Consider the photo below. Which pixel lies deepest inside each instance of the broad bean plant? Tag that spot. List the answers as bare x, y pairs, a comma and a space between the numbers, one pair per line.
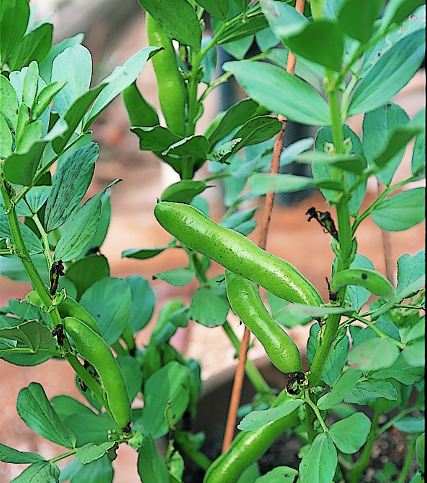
366, 344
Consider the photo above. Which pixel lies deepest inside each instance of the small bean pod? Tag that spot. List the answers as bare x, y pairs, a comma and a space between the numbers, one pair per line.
93, 348
170, 85
246, 303
363, 277
235, 252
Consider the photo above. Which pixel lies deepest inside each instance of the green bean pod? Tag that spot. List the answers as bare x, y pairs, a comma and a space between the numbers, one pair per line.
246, 303
170, 85
363, 277
93, 348
71, 308
246, 449
235, 252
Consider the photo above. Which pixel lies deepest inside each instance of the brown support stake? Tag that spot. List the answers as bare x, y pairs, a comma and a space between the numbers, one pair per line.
268, 208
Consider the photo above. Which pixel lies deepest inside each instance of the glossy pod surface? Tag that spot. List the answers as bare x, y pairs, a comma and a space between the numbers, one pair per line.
170, 85
235, 252
93, 348
246, 303
247, 447
372, 280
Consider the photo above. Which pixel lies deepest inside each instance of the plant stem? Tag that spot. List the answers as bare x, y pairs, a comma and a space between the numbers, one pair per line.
23, 254
408, 460
315, 410
361, 465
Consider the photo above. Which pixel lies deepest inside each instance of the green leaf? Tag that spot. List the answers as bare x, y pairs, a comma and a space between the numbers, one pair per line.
121, 77
228, 121
45, 96
358, 296
99, 471
397, 11
133, 375
143, 253
34, 245
40, 472
143, 300
357, 18
177, 19
342, 387
409, 269
90, 428
69, 185
324, 138
28, 137
261, 184
254, 21
109, 301
401, 211
280, 474
415, 353
74, 115
381, 145
86, 271
350, 434
218, 8
20, 168
401, 371
183, 191
46, 65
319, 464
5, 138
35, 410
31, 334
347, 162
91, 452
194, 146
389, 75
79, 228
411, 425
11, 455
156, 139
33, 46
14, 16
73, 65
167, 388
320, 41
9, 103
257, 419
283, 19
281, 92
208, 308
65, 406
373, 354
177, 277
366, 392
151, 466
29, 89
257, 130
419, 152
420, 451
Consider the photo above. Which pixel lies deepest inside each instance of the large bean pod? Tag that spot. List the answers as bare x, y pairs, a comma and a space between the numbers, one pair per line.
93, 348
235, 252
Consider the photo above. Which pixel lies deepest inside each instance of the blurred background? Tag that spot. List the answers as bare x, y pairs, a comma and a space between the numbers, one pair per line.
114, 31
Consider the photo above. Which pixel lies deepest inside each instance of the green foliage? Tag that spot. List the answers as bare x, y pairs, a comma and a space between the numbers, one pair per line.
352, 57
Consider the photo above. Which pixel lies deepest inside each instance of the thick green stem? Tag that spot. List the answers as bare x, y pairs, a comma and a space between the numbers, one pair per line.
361, 465
23, 254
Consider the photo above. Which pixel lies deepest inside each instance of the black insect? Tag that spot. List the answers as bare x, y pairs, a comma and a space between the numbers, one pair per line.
56, 270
